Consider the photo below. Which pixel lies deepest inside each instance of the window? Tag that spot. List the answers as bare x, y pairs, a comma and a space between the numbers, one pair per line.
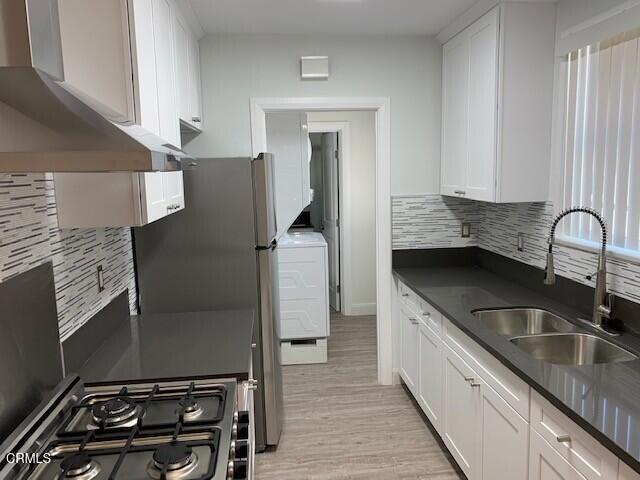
601, 153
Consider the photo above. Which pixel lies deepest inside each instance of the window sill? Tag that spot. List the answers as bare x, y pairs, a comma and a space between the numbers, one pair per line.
591, 247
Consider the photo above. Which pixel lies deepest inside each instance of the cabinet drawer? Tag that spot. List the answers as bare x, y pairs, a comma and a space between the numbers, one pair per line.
546, 464
423, 310
406, 296
582, 451
429, 316
506, 383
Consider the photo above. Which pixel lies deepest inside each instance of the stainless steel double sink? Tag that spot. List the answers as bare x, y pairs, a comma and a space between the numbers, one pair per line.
550, 338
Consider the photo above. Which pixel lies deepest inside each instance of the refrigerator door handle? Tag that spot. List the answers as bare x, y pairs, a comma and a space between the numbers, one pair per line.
264, 199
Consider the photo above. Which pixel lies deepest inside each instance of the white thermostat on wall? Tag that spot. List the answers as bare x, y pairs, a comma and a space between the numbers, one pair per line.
314, 68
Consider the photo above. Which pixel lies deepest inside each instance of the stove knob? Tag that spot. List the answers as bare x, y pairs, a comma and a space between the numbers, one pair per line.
243, 431
243, 416
241, 449
240, 470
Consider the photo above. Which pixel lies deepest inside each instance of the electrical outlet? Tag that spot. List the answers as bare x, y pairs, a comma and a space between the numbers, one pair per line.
520, 243
100, 275
466, 230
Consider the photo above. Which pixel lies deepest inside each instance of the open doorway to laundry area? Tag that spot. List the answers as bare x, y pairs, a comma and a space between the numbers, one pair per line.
324, 212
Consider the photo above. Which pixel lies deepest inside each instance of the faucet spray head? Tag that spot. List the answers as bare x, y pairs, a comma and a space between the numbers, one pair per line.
550, 271
550, 274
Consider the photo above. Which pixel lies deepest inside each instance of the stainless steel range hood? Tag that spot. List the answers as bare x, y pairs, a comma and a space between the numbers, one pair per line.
44, 127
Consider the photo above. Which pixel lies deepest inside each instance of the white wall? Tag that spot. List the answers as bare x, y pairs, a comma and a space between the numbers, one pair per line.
405, 68
574, 12
363, 206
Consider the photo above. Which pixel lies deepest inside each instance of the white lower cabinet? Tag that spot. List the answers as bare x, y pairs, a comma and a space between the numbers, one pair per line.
461, 426
626, 473
430, 382
492, 423
409, 349
505, 439
547, 464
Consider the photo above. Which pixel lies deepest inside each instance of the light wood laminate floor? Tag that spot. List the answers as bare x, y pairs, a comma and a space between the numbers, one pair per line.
339, 424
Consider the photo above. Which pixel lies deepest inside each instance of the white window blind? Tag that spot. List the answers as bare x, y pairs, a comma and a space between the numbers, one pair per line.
602, 141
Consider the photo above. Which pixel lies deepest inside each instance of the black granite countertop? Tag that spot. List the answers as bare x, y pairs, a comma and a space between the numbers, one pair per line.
213, 344
603, 399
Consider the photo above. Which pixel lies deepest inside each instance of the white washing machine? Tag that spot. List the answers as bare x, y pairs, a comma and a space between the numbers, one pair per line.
304, 297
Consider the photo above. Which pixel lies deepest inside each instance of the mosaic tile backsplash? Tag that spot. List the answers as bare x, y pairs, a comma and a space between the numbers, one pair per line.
418, 223
29, 236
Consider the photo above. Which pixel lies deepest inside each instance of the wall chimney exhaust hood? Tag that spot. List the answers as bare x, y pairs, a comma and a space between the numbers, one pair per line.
44, 127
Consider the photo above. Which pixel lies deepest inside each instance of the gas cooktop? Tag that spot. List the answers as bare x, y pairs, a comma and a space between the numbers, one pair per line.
161, 431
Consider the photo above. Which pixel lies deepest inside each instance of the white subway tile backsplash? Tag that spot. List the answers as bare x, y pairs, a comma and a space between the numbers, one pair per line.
29, 236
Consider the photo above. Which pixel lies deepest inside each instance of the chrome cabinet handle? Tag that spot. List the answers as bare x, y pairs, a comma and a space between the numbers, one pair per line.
563, 439
460, 192
472, 381
173, 207
196, 119
405, 294
413, 321
426, 314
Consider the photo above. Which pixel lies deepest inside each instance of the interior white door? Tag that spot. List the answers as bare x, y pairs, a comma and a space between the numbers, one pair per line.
331, 214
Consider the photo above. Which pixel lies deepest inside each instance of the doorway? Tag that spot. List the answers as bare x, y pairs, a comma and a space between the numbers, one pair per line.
382, 204
327, 163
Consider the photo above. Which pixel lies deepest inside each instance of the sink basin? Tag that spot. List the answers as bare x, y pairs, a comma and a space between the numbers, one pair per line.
572, 349
513, 322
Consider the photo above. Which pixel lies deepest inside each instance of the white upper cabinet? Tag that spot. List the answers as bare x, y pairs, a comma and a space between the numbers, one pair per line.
288, 141
187, 72
119, 58
122, 199
497, 91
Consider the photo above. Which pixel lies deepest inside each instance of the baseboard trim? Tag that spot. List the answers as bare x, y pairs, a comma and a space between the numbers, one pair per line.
362, 309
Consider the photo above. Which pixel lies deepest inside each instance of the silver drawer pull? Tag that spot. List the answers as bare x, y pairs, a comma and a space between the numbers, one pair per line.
563, 438
475, 384
460, 192
469, 379
413, 321
426, 314
405, 294
195, 119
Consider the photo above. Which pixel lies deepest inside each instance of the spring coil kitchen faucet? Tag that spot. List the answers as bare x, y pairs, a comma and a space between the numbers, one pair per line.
602, 302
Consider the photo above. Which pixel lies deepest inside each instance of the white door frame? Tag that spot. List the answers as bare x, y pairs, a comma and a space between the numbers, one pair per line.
381, 106
344, 206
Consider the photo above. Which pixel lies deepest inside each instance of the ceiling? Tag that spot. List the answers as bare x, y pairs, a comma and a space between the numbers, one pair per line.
327, 17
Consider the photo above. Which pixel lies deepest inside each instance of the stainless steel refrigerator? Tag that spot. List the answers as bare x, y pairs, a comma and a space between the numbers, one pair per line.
221, 252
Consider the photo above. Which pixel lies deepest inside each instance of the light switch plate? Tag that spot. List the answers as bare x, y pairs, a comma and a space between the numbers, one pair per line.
466, 230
